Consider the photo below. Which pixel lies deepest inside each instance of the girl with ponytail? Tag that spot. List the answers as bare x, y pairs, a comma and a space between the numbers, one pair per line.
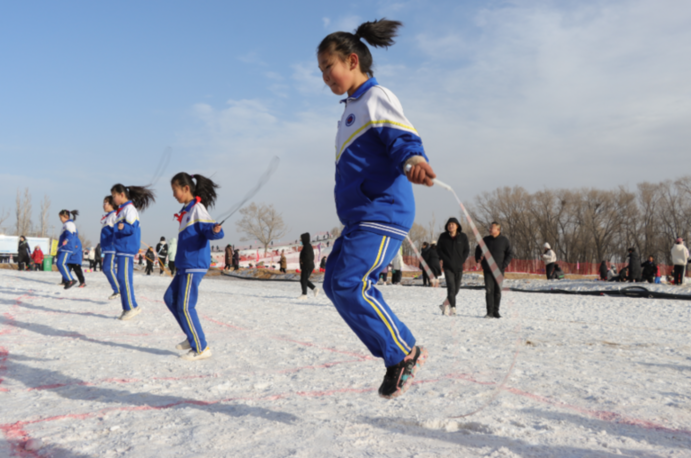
378, 155
70, 253
108, 244
192, 259
127, 239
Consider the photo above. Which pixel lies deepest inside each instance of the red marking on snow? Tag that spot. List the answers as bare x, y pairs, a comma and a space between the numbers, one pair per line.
3, 367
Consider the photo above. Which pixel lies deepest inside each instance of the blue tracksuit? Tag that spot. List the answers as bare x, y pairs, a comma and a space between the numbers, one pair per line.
192, 261
108, 249
375, 203
126, 244
69, 249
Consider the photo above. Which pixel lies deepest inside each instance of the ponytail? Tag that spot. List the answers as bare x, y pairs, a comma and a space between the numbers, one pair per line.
70, 214
378, 33
200, 186
141, 196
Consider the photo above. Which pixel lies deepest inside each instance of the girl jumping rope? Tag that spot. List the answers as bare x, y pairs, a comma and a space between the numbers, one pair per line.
127, 239
70, 250
192, 259
107, 244
378, 155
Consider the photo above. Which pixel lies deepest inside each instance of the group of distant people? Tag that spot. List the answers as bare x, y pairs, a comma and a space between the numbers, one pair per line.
648, 271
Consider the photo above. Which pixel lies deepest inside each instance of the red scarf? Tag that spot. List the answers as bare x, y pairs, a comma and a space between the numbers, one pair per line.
182, 213
123, 207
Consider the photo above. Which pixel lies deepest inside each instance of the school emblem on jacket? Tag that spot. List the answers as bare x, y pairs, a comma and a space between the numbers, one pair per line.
350, 120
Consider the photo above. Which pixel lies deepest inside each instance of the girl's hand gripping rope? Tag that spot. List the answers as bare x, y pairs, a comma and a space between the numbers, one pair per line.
419, 171
217, 228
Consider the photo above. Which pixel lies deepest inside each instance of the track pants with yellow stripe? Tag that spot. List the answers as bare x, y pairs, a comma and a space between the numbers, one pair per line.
125, 264
352, 270
109, 270
181, 299
63, 267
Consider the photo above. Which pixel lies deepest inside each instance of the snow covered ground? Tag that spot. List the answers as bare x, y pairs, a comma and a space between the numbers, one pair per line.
593, 376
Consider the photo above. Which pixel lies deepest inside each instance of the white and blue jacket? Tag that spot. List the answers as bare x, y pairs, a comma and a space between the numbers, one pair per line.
373, 142
196, 229
127, 240
107, 233
69, 243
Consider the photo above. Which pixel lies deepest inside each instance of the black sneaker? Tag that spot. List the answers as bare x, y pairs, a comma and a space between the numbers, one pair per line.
496, 315
398, 378
70, 284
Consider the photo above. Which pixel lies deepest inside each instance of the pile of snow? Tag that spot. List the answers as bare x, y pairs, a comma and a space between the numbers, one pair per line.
593, 376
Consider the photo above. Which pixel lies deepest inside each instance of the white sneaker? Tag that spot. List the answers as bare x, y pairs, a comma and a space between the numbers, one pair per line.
113, 296
444, 309
303, 297
194, 356
453, 311
184, 345
316, 291
488, 316
129, 314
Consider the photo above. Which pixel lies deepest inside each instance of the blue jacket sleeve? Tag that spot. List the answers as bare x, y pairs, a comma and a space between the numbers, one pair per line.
208, 230
127, 229
401, 145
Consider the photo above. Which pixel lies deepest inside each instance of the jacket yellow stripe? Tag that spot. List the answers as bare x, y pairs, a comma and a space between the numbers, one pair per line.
376, 309
371, 123
187, 316
128, 290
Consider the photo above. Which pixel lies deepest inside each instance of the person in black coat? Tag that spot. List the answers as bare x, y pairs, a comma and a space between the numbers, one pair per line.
500, 249
149, 255
453, 249
634, 266
98, 258
433, 262
162, 253
603, 271
23, 254
306, 265
424, 254
649, 270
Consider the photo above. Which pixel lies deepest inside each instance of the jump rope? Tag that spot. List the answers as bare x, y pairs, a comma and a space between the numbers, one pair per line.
498, 277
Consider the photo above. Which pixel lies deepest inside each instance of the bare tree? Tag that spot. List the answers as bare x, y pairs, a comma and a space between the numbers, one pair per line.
86, 243
45, 223
335, 232
417, 234
3, 217
23, 213
261, 222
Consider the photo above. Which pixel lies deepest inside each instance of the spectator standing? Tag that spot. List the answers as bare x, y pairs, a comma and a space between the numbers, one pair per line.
283, 261
397, 263
228, 257
634, 266
680, 257
433, 262
23, 254
149, 255
500, 249
236, 259
453, 249
549, 257
322, 265
172, 252
424, 254
162, 253
604, 271
92, 258
306, 266
649, 270
98, 258
37, 258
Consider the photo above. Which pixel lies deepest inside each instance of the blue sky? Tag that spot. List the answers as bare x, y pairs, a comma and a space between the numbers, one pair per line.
536, 94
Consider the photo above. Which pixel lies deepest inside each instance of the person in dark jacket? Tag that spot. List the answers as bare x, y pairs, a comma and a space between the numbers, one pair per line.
649, 270
229, 257
424, 254
634, 266
433, 262
162, 253
306, 266
500, 249
149, 255
23, 254
453, 249
236, 259
98, 258
603, 271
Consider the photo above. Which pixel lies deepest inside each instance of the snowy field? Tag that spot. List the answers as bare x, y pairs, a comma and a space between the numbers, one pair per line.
593, 376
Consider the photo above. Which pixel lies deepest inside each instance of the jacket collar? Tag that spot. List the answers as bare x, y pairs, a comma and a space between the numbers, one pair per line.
362, 89
121, 207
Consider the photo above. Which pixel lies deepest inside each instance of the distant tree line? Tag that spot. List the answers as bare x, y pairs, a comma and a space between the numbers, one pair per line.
590, 225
